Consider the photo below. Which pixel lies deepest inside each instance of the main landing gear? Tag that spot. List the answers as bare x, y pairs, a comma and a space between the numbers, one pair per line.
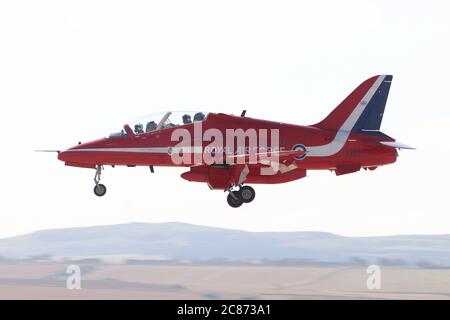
99, 189
245, 194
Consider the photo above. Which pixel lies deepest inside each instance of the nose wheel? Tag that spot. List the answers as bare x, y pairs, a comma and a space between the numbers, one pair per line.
245, 194
99, 189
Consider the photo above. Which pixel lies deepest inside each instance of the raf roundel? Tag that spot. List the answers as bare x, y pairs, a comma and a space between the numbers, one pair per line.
300, 147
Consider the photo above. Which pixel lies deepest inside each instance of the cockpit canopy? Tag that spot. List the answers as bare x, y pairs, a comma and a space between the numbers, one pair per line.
162, 120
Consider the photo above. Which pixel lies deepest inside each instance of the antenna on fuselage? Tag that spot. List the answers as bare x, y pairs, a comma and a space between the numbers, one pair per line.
243, 113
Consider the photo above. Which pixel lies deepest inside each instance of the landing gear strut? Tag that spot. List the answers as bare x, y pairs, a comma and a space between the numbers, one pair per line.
245, 194
99, 189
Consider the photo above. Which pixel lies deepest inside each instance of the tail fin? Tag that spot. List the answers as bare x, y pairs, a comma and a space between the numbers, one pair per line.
363, 109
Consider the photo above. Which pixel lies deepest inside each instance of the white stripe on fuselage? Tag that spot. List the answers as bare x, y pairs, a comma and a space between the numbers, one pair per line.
343, 133
164, 150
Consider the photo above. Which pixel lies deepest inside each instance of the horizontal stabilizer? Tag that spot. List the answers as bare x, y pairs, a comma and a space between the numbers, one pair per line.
395, 144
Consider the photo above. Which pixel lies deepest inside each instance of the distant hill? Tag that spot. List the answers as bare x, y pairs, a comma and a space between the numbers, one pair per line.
178, 241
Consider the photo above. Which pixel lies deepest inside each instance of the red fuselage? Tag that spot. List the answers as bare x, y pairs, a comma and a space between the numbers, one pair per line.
358, 151
228, 151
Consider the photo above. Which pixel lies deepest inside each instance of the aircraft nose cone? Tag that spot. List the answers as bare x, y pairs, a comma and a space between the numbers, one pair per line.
76, 159
69, 155
64, 156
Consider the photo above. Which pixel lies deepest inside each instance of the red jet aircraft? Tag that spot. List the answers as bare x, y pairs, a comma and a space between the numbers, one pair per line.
227, 151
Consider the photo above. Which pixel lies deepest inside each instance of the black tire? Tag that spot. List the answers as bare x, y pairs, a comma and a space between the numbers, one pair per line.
236, 201
247, 194
100, 190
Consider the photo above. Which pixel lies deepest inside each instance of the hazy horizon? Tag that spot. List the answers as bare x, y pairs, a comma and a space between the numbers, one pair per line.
225, 228
147, 243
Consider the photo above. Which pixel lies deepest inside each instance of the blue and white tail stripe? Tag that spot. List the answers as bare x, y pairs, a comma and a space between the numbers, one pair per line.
364, 113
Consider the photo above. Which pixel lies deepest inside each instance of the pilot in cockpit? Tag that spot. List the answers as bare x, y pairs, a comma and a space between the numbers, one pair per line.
187, 119
139, 128
199, 116
150, 126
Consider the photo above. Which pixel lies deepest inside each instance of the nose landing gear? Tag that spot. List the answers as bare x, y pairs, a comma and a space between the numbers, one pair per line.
99, 189
244, 194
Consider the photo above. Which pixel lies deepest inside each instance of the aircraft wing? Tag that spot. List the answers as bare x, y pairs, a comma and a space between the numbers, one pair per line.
282, 161
282, 155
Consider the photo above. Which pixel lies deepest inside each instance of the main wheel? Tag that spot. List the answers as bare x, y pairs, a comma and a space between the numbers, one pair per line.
247, 194
235, 200
99, 190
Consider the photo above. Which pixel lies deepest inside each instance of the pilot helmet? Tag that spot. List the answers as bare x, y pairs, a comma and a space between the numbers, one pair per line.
199, 116
139, 128
187, 119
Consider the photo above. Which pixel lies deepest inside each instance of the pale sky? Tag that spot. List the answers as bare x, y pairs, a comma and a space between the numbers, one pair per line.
78, 70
